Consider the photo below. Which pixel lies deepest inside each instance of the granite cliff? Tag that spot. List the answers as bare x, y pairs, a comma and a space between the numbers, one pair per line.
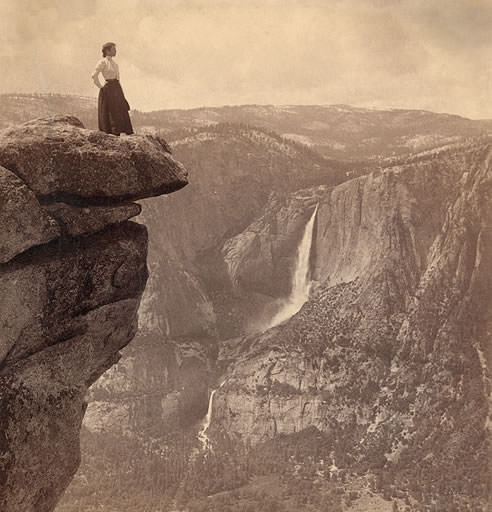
72, 272
378, 386
390, 357
190, 293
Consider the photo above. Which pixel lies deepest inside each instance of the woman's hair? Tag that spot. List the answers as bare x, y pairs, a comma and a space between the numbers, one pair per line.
107, 46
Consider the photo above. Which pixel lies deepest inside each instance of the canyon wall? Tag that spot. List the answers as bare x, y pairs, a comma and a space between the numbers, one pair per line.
390, 357
191, 300
388, 361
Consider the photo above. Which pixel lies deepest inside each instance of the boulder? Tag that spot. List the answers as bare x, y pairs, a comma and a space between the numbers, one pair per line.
23, 223
60, 160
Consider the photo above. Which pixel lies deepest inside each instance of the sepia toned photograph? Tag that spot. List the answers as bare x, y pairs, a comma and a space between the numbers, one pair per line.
245, 255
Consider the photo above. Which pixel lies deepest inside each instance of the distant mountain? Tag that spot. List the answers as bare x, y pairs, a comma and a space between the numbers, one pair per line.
18, 108
336, 131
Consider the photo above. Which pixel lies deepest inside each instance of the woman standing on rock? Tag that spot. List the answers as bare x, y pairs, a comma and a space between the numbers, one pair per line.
112, 107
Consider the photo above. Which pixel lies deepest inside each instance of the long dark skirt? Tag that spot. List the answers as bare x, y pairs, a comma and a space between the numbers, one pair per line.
112, 111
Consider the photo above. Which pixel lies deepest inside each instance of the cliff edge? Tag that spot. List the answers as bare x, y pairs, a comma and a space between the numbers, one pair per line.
72, 272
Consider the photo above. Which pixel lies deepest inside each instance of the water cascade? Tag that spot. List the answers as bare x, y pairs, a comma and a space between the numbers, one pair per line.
202, 435
301, 280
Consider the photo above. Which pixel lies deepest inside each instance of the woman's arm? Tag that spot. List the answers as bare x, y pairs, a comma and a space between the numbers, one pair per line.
95, 75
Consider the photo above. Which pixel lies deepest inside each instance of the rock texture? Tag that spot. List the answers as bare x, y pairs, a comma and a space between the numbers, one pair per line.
391, 355
84, 220
24, 224
262, 257
103, 168
71, 279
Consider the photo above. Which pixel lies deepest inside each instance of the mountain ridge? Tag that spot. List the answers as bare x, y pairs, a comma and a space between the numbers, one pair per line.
339, 132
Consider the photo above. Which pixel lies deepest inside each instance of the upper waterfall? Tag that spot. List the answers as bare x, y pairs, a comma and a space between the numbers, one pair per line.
301, 279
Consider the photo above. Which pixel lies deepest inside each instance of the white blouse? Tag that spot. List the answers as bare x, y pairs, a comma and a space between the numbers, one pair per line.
109, 69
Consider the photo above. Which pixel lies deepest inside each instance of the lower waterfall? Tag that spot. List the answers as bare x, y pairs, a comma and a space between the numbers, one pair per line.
202, 435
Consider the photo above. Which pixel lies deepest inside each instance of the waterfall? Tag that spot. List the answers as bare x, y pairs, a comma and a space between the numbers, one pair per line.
301, 280
202, 435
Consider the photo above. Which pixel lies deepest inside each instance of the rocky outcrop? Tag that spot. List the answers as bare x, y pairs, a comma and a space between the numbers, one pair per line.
261, 258
72, 274
391, 355
103, 168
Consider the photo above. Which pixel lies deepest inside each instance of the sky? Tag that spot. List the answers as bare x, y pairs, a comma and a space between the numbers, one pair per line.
424, 54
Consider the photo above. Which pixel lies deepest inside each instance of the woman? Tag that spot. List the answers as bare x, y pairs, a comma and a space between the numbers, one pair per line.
112, 106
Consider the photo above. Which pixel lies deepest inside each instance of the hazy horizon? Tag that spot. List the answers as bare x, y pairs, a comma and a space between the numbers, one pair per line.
175, 54
382, 108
